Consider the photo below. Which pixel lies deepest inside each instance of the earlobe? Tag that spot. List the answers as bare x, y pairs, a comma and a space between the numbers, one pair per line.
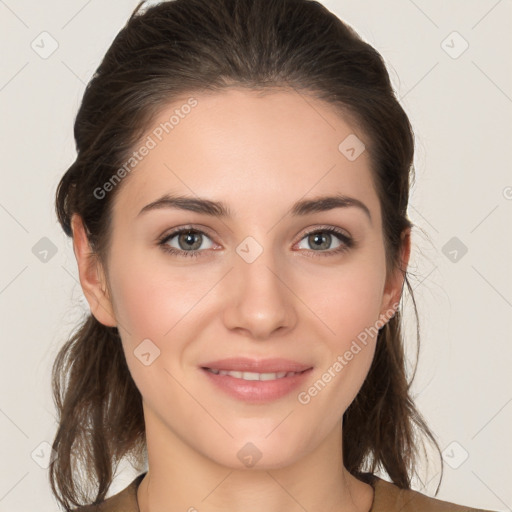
395, 283
92, 277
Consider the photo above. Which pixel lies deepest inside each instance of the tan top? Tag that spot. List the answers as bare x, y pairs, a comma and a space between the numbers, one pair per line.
387, 498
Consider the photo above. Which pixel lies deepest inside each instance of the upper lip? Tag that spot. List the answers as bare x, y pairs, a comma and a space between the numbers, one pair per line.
245, 364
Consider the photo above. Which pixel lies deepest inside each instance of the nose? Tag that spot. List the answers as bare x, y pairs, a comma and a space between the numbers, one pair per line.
259, 300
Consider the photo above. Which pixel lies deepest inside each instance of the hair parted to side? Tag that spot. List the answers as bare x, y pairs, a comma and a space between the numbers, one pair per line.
177, 48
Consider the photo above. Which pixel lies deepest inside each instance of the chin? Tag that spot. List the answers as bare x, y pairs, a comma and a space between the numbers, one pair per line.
259, 452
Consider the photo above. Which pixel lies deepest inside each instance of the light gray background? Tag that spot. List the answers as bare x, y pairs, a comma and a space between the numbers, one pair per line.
461, 110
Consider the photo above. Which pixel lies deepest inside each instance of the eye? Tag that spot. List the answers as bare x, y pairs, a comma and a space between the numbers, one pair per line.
322, 238
188, 242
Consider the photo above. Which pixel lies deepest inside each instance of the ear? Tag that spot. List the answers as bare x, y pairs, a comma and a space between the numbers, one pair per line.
92, 276
395, 281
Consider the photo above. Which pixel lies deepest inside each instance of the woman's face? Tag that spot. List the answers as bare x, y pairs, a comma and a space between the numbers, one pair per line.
266, 280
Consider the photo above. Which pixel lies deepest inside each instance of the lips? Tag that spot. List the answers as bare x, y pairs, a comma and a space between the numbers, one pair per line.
244, 364
256, 381
257, 391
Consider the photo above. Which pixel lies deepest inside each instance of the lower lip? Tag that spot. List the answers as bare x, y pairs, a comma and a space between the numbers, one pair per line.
257, 391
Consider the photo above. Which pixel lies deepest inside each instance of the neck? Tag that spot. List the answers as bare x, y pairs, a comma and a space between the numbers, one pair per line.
180, 478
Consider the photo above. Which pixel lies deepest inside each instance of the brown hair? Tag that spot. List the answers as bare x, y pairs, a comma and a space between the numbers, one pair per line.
176, 48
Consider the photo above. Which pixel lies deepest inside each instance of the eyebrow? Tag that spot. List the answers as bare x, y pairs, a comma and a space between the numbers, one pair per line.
219, 209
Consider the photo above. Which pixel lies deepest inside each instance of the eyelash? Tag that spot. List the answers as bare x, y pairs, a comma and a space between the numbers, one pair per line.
346, 242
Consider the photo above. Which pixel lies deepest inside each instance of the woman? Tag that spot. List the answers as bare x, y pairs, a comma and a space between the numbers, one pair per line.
238, 208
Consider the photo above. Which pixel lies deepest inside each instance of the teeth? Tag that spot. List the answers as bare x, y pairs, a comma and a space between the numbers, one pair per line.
253, 375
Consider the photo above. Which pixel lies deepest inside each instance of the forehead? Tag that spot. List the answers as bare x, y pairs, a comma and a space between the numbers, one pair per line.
242, 146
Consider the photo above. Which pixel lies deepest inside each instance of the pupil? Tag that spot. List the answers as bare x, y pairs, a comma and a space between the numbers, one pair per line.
317, 238
189, 239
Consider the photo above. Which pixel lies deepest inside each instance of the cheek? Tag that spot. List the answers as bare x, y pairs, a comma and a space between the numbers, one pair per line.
348, 302
159, 303
346, 299
152, 306
150, 301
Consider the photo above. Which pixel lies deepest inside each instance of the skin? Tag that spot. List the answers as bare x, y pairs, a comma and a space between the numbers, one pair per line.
258, 154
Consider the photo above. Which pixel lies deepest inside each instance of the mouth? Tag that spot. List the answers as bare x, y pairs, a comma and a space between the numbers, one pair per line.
271, 383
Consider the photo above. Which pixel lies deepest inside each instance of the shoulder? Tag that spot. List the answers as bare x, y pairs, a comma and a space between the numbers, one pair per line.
123, 501
389, 497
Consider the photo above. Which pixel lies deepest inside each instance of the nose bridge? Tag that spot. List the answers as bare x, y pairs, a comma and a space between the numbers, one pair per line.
259, 300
